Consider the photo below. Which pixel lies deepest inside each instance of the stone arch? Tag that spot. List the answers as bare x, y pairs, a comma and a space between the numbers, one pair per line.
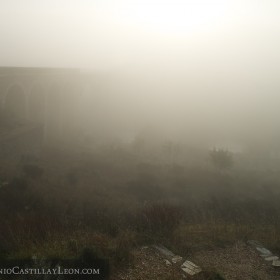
15, 103
37, 104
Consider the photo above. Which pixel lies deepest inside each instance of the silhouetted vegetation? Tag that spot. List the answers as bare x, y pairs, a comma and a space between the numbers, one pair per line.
112, 208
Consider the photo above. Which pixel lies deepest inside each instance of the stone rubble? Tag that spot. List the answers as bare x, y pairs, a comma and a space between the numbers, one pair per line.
276, 263
232, 262
265, 253
187, 267
190, 268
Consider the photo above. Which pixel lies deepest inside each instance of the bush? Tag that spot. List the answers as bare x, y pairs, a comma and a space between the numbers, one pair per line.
124, 244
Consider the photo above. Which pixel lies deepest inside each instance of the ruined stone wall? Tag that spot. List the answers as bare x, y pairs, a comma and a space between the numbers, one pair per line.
42, 96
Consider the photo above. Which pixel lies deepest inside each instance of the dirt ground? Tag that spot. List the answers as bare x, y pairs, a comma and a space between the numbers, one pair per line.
238, 262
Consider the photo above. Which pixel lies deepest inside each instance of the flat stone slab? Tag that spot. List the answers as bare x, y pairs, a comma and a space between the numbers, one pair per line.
190, 268
255, 243
276, 263
170, 256
164, 251
271, 258
167, 262
265, 253
176, 259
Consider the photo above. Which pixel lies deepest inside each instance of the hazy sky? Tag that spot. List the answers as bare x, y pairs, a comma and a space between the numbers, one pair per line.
212, 62
108, 33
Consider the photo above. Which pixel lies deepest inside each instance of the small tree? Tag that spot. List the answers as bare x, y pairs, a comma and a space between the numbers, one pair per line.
222, 159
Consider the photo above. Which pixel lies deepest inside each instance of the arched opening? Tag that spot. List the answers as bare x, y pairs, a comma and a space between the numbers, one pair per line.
37, 105
15, 104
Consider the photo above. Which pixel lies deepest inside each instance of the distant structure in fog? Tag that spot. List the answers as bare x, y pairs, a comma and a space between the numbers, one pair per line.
41, 97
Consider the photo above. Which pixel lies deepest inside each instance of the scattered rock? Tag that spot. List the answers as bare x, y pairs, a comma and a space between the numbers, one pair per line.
264, 253
168, 254
238, 261
187, 267
176, 259
276, 263
148, 265
164, 251
167, 262
271, 258
190, 268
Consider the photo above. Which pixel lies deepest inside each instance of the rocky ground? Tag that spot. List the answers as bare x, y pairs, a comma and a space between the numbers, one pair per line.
238, 262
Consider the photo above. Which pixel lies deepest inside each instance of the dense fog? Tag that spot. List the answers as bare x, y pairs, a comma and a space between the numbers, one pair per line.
190, 69
128, 127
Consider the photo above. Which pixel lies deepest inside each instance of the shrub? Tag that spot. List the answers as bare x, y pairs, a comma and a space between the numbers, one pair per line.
124, 244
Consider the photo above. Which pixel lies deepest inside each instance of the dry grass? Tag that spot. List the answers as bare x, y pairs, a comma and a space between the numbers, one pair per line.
95, 203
